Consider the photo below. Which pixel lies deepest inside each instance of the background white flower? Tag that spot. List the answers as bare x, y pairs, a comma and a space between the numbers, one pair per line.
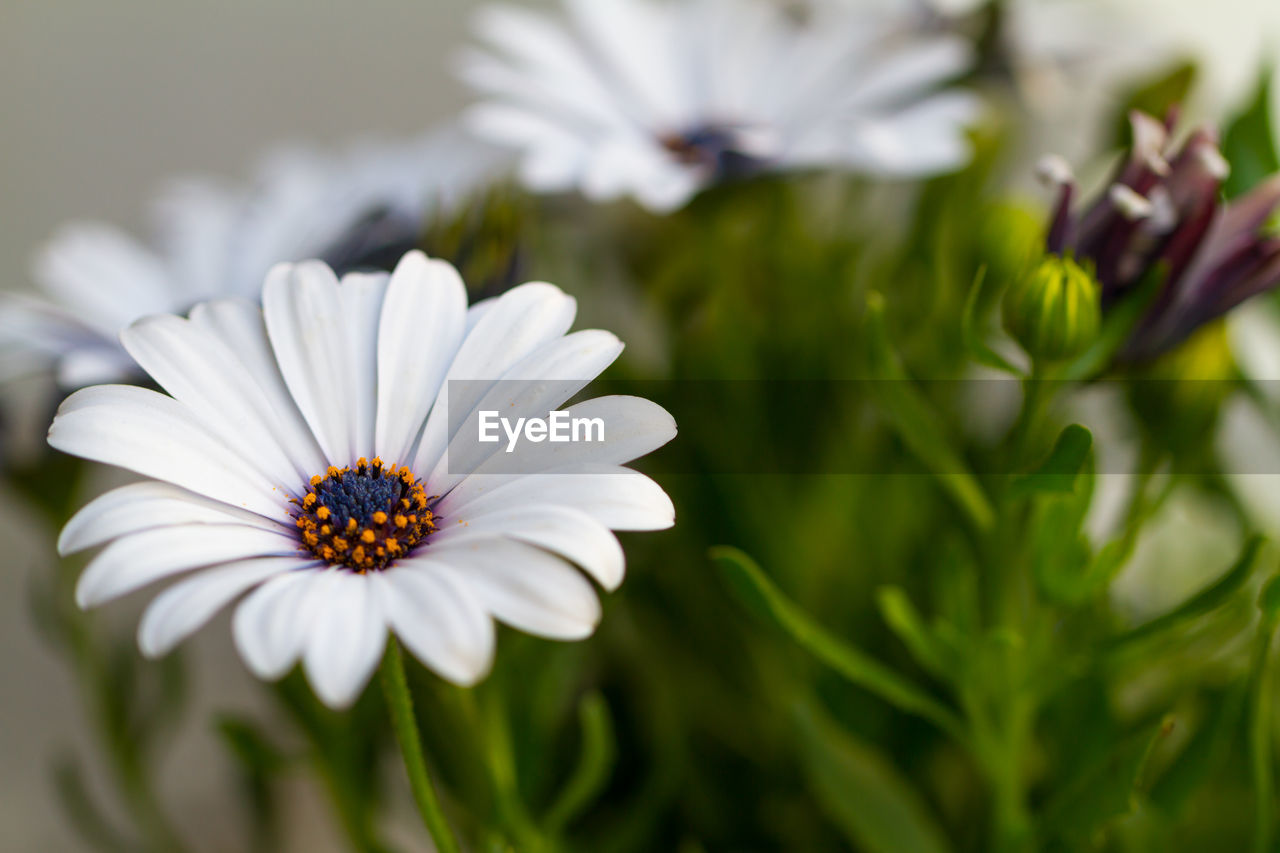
656, 100
362, 208
269, 404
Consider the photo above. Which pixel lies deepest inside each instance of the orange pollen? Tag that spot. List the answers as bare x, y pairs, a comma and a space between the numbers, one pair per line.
363, 516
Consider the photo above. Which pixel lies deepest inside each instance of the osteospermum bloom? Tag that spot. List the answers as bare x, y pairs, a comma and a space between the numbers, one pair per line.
1051, 51
1162, 215
656, 100
359, 210
306, 457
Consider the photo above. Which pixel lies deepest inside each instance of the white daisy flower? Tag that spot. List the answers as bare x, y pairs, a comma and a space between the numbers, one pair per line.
300, 458
656, 100
1053, 47
361, 209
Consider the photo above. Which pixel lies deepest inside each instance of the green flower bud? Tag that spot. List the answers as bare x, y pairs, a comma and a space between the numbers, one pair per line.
1010, 243
1055, 311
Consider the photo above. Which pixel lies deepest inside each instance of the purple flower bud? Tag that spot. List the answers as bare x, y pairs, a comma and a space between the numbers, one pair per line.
1162, 214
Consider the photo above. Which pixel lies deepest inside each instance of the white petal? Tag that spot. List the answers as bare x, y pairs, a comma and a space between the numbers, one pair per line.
519, 322
324, 337
633, 427
478, 310
438, 620
618, 498
639, 43
200, 372
270, 626
362, 296
105, 277
345, 639
908, 71
196, 220
95, 365
925, 138
510, 84
538, 46
156, 436
523, 586
238, 323
535, 386
142, 506
183, 608
570, 533
423, 320
141, 558
670, 189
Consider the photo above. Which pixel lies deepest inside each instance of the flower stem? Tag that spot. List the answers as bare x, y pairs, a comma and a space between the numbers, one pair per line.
396, 688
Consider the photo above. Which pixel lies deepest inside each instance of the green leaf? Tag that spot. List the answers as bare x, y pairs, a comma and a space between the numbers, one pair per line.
901, 616
1102, 791
918, 425
1058, 473
1062, 560
1155, 97
972, 334
595, 763
761, 597
84, 815
1061, 557
259, 760
1262, 718
1202, 602
1204, 752
861, 790
1250, 143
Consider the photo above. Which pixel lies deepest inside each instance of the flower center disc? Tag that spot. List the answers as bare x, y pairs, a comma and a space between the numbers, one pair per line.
718, 149
363, 517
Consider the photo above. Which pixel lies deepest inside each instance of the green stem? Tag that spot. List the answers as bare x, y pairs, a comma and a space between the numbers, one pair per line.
1013, 824
1038, 394
396, 688
492, 730
1260, 741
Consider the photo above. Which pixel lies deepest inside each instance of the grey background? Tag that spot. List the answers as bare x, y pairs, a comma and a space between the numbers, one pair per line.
101, 101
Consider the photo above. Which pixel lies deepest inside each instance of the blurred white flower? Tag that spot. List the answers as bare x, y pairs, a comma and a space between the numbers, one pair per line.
363, 208
656, 100
1056, 49
270, 479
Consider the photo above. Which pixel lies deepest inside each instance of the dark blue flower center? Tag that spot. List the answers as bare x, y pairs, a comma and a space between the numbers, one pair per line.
717, 148
364, 516
359, 496
375, 242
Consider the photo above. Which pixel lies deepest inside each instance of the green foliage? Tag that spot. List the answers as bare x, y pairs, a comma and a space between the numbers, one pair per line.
1060, 471
595, 763
763, 598
1249, 143
1103, 791
861, 790
919, 427
1156, 96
